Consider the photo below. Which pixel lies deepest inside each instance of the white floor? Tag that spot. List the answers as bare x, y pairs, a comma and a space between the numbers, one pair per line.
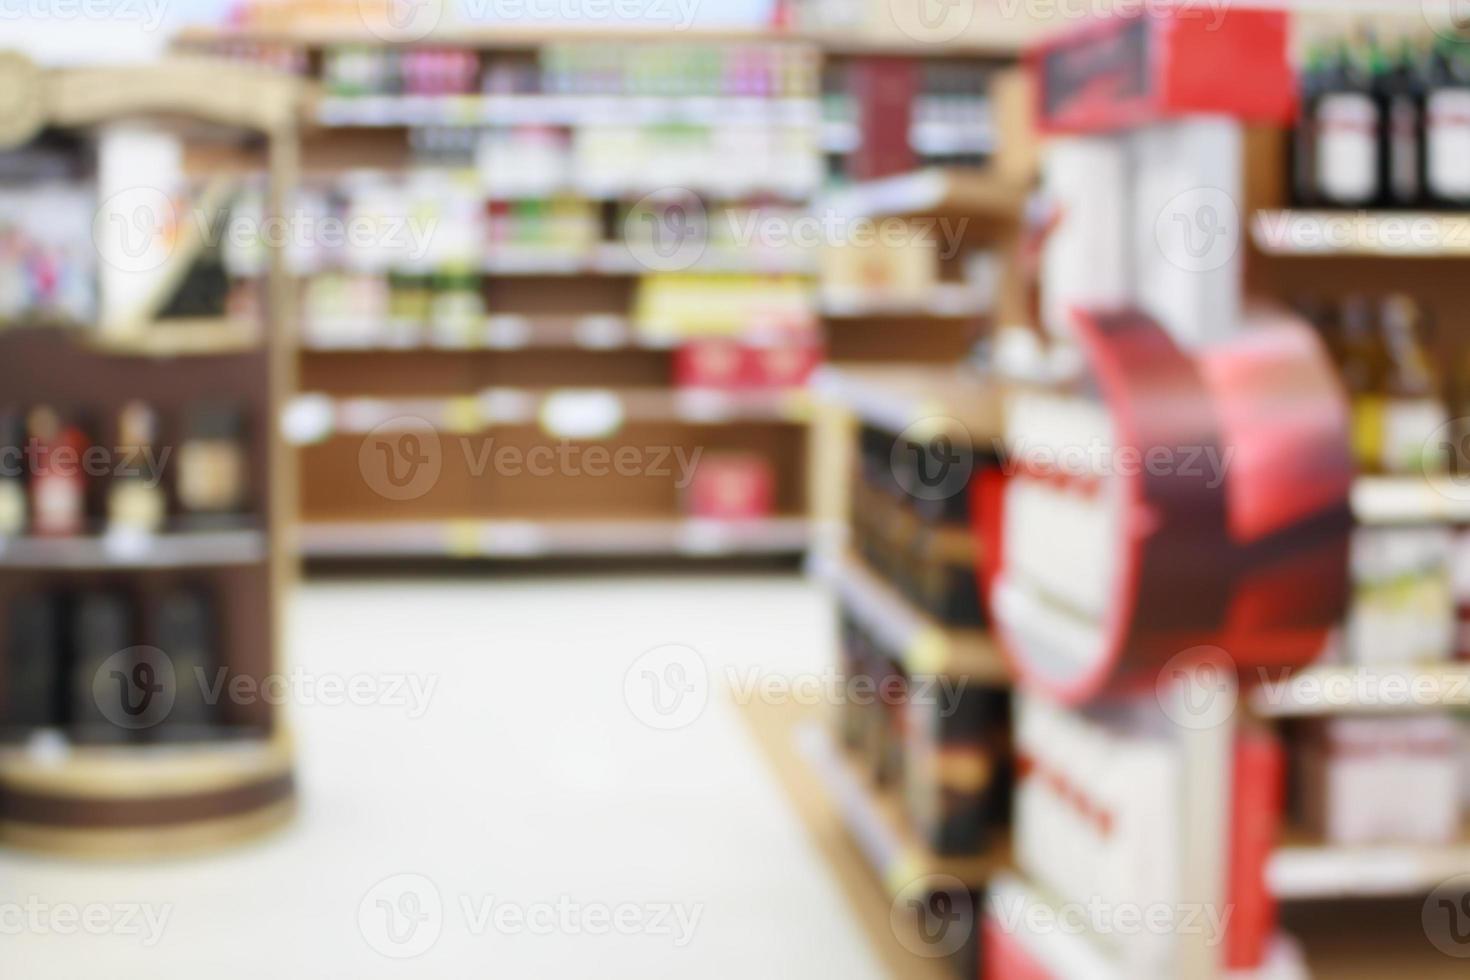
535, 784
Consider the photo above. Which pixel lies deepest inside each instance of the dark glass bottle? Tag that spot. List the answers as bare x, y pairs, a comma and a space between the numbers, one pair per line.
1399, 80
1304, 135
105, 692
32, 665
1346, 122
187, 635
1447, 126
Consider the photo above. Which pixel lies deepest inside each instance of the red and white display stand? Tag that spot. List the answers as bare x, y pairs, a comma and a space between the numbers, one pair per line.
1173, 520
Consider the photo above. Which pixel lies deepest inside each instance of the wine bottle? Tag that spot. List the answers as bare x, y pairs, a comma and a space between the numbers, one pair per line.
1400, 84
1447, 127
103, 707
1304, 134
1346, 122
32, 665
187, 634
1413, 409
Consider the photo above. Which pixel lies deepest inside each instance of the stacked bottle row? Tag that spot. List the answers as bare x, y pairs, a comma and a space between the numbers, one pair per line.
55, 480
74, 663
1384, 123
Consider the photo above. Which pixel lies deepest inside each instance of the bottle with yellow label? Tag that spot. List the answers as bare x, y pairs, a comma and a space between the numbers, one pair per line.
1414, 413
1365, 365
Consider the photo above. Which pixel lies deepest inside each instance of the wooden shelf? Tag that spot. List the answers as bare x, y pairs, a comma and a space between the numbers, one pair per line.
183, 338
1411, 500
924, 645
1334, 689
933, 193
474, 538
526, 406
613, 259
1362, 234
878, 825
1305, 868
934, 399
944, 302
144, 801
322, 32
1067, 952
126, 771
565, 110
191, 549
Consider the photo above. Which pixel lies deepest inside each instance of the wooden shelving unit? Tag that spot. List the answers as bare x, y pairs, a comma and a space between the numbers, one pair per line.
163, 791
557, 321
877, 822
527, 539
925, 646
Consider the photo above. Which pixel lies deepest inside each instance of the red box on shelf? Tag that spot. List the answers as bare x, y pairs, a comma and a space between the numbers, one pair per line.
783, 365
1148, 65
716, 363
732, 486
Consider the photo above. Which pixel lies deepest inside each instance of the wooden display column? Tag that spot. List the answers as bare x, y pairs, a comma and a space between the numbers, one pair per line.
140, 795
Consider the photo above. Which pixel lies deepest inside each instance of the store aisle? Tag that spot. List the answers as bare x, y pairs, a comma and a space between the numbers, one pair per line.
473, 742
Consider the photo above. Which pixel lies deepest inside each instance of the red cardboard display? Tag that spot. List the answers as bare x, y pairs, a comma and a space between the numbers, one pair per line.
1255, 563
1156, 63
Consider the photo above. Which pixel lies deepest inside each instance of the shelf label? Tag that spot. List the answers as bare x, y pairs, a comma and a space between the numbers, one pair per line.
582, 414
308, 419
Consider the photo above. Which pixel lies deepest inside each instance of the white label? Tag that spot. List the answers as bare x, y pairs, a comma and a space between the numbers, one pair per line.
1447, 141
1408, 427
1347, 148
582, 414
1404, 151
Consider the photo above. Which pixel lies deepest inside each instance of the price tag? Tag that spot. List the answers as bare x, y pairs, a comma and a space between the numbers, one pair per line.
602, 331
308, 419
506, 331
462, 415
127, 545
462, 539
582, 414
